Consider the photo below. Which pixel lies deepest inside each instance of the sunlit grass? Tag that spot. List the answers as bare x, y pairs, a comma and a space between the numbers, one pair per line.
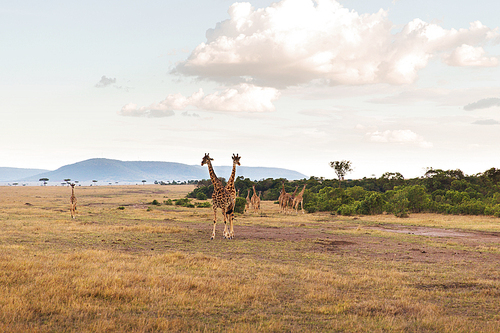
155, 270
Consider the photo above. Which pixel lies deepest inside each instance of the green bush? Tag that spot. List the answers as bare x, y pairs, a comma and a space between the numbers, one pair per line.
348, 210
239, 206
373, 203
205, 204
168, 202
201, 196
156, 203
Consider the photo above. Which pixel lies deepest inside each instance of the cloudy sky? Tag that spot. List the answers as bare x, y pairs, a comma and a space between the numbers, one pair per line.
391, 85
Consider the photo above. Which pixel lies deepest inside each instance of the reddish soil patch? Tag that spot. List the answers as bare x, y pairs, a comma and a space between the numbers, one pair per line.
447, 245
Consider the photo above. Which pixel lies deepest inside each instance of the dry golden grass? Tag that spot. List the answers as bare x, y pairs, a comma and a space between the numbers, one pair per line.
153, 268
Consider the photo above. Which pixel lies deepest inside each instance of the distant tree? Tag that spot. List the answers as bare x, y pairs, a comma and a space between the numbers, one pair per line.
44, 180
94, 181
341, 168
68, 181
143, 182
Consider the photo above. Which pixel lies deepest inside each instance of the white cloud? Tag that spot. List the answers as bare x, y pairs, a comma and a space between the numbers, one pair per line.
467, 55
486, 122
131, 110
399, 136
105, 81
243, 98
296, 41
482, 104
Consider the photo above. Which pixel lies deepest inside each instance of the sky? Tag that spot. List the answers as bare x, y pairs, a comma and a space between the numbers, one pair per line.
390, 85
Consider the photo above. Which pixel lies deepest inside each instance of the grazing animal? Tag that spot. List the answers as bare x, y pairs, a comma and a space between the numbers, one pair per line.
299, 199
72, 200
221, 198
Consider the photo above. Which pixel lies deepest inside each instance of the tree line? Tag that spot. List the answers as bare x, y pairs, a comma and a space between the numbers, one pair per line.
437, 191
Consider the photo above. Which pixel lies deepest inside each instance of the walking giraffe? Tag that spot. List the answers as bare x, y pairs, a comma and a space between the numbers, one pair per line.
72, 200
221, 198
299, 199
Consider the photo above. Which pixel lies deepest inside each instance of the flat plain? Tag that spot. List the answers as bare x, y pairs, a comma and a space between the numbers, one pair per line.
125, 265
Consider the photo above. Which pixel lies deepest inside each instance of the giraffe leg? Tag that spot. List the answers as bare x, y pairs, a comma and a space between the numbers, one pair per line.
215, 223
226, 233
231, 230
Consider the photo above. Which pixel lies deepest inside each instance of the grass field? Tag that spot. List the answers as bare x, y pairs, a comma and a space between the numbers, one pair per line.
124, 265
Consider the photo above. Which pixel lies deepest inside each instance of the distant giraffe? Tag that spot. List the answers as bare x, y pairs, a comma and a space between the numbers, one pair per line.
299, 200
255, 200
72, 199
247, 204
287, 200
221, 198
282, 197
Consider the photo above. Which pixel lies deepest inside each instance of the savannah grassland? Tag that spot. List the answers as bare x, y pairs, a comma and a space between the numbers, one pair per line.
147, 268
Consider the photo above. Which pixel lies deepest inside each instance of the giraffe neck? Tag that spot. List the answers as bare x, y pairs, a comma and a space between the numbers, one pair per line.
213, 176
303, 189
230, 182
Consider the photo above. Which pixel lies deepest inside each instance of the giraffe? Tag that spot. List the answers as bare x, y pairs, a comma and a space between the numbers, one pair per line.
281, 197
255, 200
287, 200
247, 204
230, 183
72, 199
299, 200
221, 198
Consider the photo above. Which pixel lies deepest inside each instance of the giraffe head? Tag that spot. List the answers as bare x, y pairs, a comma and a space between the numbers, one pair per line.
236, 159
206, 159
72, 185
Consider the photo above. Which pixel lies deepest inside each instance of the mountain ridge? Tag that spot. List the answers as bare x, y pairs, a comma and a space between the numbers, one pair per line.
111, 170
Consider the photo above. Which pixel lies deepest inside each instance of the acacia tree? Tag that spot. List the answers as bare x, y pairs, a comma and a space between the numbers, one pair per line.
341, 168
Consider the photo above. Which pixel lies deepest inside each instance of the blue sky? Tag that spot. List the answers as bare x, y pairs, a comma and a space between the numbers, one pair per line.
393, 86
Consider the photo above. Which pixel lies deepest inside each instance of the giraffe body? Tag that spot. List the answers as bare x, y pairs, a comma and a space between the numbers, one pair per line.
299, 200
247, 203
73, 200
221, 199
286, 202
230, 183
255, 200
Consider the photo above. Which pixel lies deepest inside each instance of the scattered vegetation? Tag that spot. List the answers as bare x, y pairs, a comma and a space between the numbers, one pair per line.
438, 191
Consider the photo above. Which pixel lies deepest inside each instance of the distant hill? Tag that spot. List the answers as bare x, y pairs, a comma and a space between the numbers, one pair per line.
107, 170
12, 174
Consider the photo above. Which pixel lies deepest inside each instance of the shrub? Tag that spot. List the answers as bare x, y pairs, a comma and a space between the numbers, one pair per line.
348, 210
168, 202
373, 203
201, 196
121, 208
205, 204
399, 204
184, 202
239, 206
156, 203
